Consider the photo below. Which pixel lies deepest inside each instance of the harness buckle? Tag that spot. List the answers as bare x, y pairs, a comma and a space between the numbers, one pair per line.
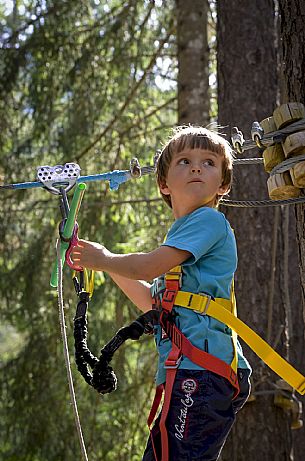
174, 275
209, 298
172, 364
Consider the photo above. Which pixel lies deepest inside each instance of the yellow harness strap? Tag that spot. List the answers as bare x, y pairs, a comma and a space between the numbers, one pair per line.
198, 303
234, 334
224, 310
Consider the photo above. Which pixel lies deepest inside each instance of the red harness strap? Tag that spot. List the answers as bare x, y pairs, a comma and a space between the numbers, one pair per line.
180, 346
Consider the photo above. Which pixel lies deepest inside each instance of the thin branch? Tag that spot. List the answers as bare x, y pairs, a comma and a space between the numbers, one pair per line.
45, 14
141, 28
148, 115
128, 99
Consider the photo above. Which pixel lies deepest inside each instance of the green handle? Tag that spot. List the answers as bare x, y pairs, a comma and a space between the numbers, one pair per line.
68, 229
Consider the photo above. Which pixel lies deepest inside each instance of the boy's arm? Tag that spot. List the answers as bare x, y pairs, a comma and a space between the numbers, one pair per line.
136, 266
138, 291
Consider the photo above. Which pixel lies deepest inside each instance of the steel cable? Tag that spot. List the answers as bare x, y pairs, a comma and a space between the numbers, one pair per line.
66, 352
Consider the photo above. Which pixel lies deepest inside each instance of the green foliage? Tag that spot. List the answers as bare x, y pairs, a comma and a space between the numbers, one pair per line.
92, 82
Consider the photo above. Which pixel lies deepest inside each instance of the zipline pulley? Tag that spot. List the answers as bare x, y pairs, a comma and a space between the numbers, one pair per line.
59, 177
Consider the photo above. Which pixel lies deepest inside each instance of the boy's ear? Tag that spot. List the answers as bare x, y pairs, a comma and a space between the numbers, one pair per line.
164, 189
224, 189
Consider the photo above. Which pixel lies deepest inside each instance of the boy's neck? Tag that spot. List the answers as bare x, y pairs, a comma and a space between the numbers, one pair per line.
180, 211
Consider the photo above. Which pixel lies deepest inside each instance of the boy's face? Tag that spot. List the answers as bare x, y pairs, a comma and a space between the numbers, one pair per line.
194, 179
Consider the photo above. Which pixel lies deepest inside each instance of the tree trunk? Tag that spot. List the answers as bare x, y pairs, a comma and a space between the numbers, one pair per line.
247, 91
292, 34
193, 62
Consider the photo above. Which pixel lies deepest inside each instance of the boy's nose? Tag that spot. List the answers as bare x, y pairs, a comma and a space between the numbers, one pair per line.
196, 169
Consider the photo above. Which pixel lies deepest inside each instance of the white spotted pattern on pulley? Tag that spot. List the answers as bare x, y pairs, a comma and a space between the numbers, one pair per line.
58, 177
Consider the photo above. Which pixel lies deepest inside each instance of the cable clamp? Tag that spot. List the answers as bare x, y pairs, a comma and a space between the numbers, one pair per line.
237, 139
257, 134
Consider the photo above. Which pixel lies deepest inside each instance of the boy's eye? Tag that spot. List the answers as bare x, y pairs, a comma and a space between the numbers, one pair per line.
186, 161
209, 162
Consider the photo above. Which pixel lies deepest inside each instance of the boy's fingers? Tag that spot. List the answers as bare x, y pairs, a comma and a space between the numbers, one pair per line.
75, 252
82, 243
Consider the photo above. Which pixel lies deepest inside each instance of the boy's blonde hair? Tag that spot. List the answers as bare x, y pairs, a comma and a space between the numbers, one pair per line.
193, 137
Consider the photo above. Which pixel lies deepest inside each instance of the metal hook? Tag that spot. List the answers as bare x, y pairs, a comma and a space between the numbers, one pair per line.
135, 168
156, 157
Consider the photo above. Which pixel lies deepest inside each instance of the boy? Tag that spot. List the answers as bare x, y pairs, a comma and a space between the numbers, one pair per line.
194, 171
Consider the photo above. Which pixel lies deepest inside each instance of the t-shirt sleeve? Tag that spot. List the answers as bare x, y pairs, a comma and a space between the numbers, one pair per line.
199, 233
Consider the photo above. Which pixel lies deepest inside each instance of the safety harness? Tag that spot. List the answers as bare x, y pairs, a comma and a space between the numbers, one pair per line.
181, 346
225, 311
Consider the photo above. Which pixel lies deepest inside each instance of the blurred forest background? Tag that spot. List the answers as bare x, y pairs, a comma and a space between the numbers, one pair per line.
99, 82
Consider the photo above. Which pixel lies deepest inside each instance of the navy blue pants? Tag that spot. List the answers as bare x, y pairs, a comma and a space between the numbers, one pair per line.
200, 416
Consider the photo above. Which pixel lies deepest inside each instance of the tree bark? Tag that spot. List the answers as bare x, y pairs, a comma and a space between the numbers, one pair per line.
248, 91
193, 62
292, 34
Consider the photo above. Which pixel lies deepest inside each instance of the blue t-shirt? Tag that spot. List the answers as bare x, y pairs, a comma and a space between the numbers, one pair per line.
207, 235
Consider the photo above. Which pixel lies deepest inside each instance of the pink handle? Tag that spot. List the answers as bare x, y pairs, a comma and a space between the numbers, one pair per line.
73, 243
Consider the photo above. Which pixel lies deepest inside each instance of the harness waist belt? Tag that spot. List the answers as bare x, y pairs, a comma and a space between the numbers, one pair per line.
199, 302
220, 310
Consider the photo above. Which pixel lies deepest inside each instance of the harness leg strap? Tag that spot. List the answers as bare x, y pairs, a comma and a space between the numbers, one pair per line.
152, 414
171, 366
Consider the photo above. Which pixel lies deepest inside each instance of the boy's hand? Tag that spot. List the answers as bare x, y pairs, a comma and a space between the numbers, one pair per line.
90, 255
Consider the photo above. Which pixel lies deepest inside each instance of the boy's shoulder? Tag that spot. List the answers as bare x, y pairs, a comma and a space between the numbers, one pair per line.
202, 231
203, 220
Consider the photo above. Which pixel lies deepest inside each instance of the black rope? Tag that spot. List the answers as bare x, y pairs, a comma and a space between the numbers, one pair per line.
102, 377
83, 356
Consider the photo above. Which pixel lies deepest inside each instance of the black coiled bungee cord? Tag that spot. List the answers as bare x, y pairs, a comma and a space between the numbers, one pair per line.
102, 377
